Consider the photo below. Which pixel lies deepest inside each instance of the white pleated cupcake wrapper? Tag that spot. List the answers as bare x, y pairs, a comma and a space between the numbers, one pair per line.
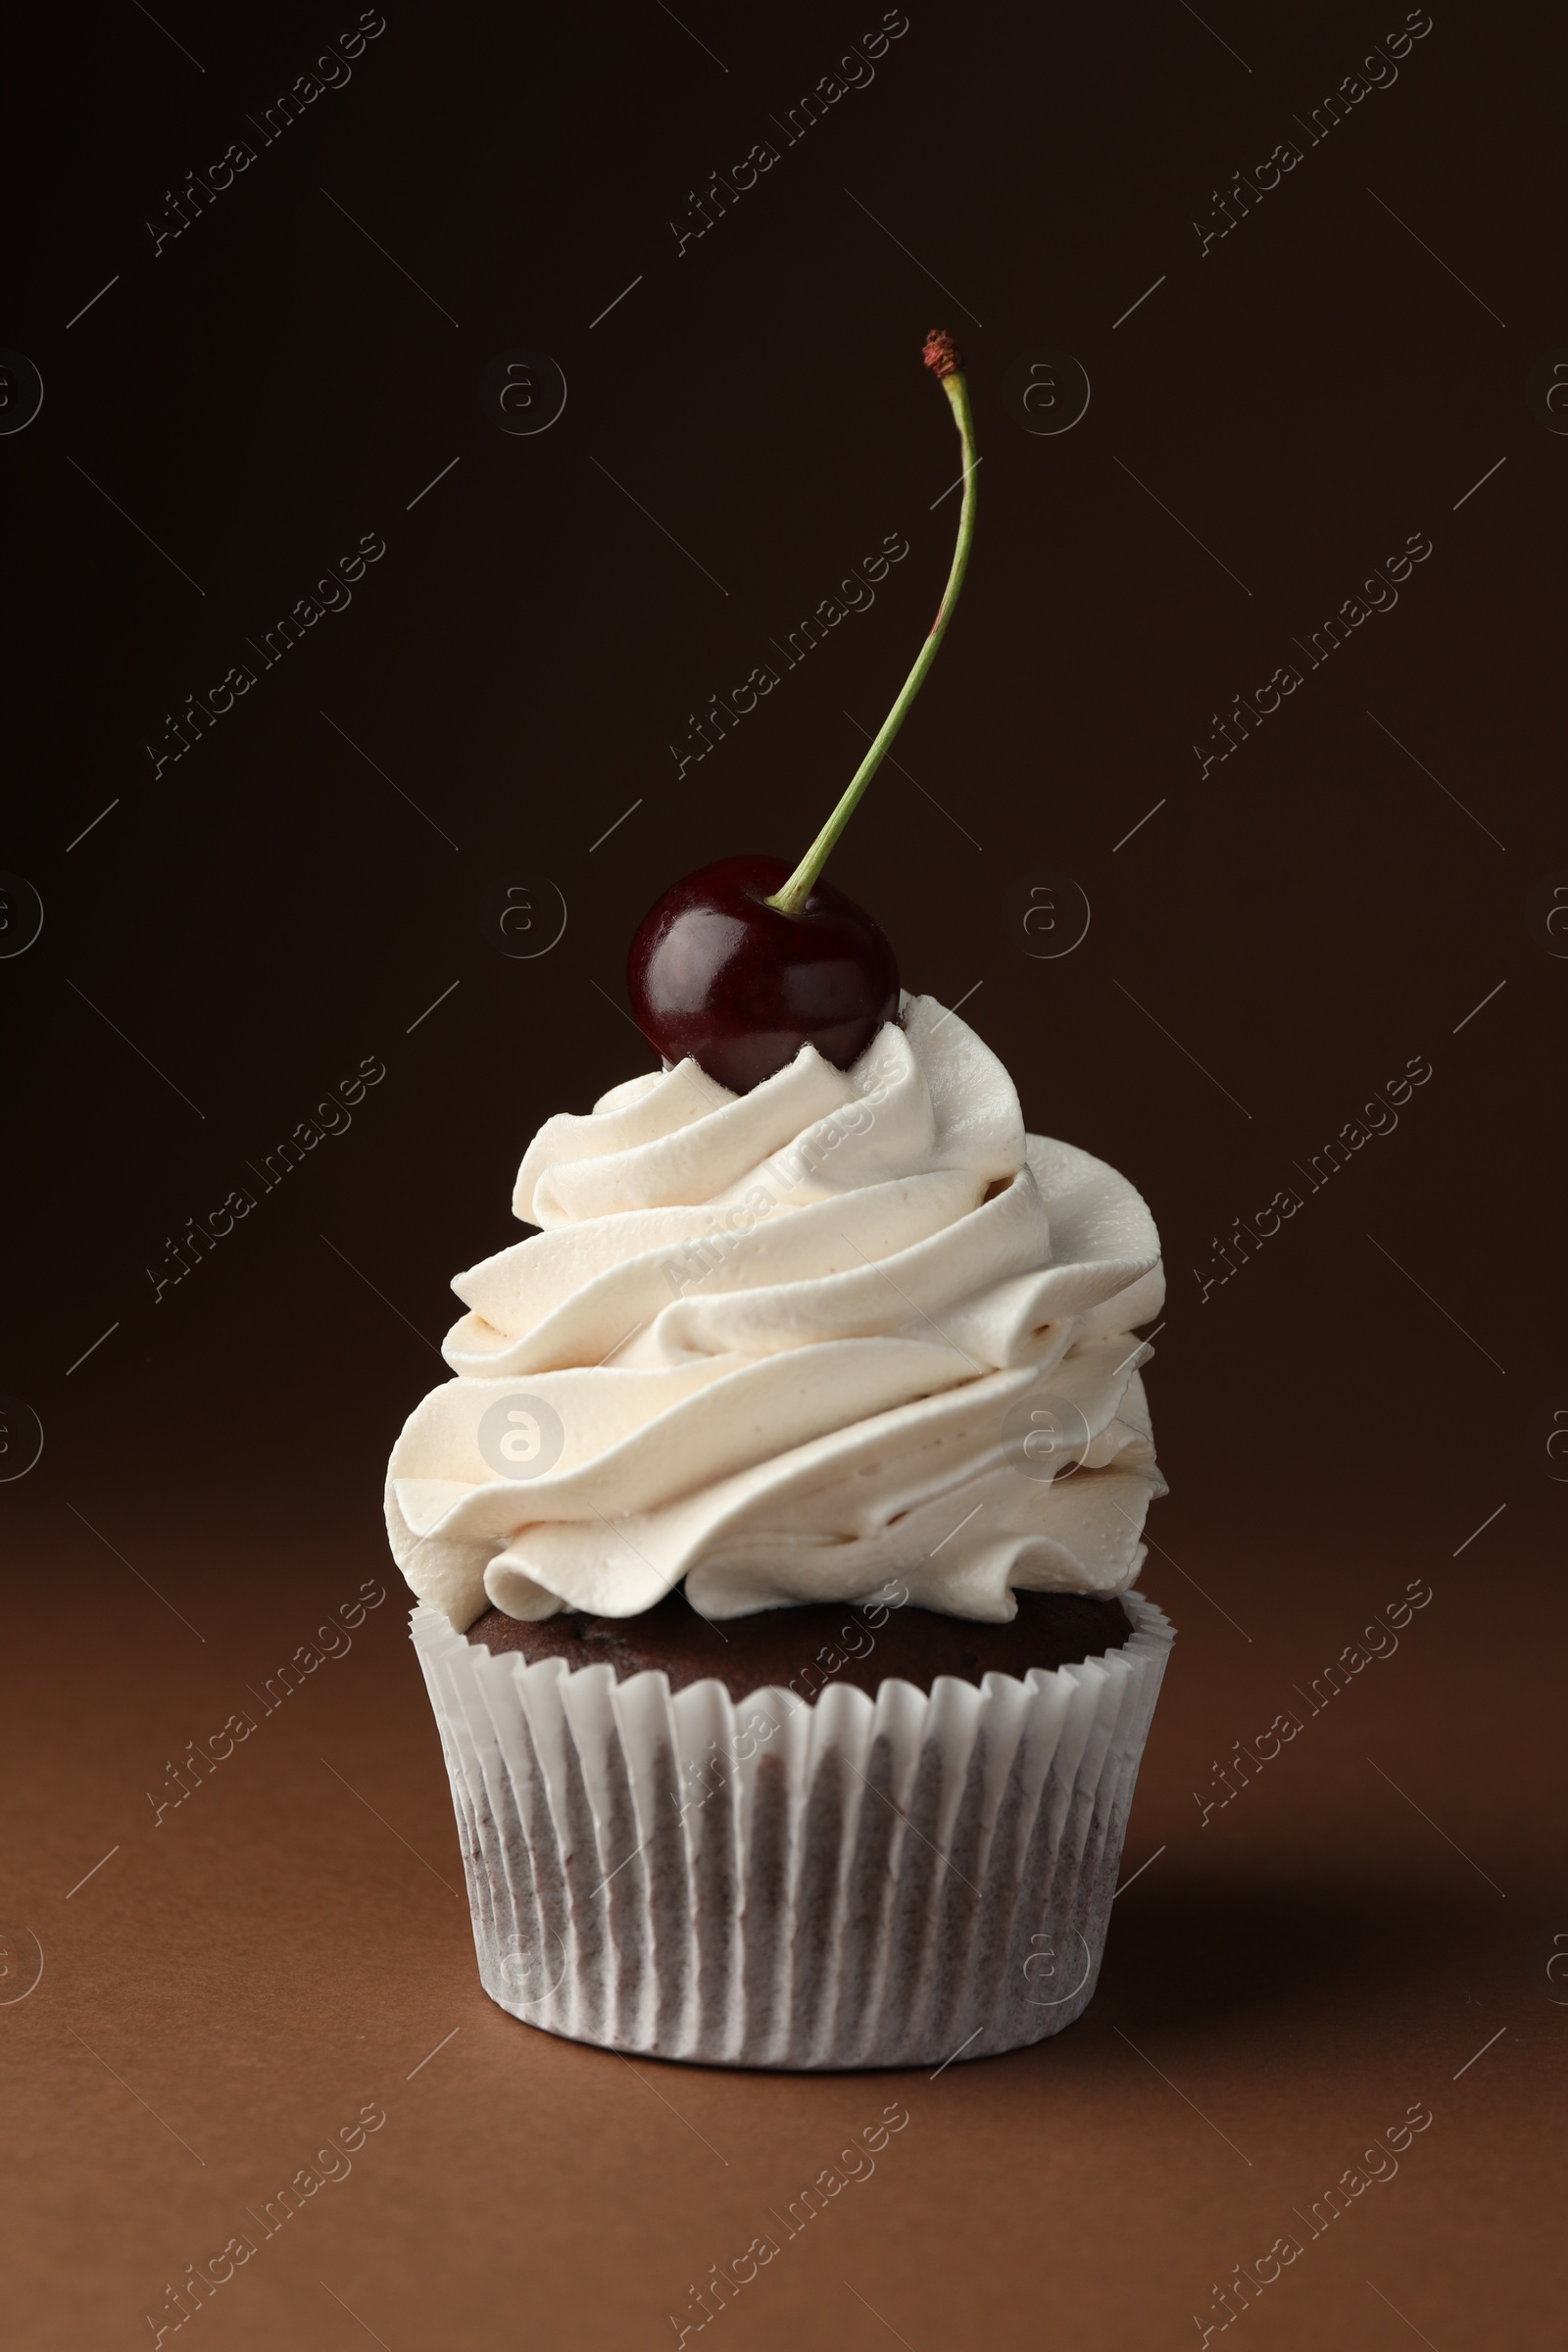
887, 1882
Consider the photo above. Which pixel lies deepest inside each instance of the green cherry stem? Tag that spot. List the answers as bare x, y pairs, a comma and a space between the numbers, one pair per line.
941, 354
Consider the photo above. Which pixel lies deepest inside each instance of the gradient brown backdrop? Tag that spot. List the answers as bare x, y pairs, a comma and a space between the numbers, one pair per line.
1281, 936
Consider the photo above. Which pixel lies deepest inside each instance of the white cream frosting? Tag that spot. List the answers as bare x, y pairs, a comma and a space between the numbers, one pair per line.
773, 1341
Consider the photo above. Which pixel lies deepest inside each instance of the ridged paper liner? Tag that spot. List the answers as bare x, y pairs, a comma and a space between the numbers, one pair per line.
887, 1882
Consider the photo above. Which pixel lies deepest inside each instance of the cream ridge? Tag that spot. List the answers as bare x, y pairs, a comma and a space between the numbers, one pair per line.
786, 1345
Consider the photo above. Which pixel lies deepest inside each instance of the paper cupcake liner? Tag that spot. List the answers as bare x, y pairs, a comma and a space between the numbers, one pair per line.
853, 1882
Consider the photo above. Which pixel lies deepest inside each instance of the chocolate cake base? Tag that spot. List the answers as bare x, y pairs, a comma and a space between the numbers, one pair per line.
805, 1648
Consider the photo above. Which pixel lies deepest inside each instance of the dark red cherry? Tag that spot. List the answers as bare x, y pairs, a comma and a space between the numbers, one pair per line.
716, 973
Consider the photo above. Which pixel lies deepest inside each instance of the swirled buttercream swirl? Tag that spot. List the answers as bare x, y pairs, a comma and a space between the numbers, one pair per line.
789, 1346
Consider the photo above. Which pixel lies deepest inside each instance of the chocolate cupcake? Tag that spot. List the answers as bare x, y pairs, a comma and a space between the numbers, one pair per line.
776, 1541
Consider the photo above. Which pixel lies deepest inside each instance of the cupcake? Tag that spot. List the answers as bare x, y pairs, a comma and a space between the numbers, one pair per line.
775, 1542
777, 1538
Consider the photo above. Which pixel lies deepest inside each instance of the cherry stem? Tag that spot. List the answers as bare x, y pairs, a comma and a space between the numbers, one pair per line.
793, 897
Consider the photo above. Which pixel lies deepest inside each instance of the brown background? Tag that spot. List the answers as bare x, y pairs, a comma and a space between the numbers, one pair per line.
1277, 940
